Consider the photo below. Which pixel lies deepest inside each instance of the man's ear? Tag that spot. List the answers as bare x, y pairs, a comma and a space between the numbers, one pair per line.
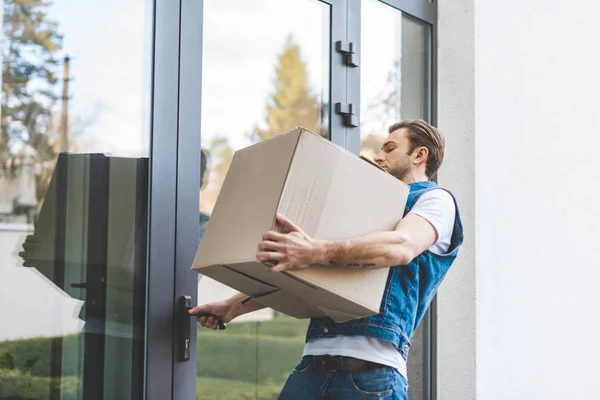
421, 154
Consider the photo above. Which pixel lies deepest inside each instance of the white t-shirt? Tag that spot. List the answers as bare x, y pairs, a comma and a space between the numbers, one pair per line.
437, 207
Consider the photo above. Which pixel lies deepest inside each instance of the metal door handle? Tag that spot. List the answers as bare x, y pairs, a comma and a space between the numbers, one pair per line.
184, 305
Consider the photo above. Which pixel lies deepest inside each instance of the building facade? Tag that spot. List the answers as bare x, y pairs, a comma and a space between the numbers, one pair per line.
116, 139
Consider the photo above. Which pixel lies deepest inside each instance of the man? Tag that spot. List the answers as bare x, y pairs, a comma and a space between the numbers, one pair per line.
366, 358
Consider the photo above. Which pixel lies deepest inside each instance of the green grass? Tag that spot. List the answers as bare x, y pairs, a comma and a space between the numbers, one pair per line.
17, 383
251, 352
19, 352
235, 364
285, 327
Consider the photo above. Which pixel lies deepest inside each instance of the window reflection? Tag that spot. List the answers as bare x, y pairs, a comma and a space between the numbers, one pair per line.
395, 81
74, 144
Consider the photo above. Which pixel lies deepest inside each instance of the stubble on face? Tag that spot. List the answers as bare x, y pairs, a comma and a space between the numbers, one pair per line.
400, 168
398, 163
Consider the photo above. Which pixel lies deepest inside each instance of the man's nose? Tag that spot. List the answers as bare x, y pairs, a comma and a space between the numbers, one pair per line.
378, 158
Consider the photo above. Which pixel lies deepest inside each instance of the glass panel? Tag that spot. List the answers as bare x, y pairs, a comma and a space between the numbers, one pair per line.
395, 85
395, 80
263, 74
74, 149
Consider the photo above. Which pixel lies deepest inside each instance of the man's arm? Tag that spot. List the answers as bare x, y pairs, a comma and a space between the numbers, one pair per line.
226, 310
296, 250
412, 236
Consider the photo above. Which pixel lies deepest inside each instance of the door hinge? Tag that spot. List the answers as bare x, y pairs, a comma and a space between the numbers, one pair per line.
347, 50
347, 113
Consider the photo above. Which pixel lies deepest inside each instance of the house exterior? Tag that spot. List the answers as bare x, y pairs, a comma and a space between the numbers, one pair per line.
511, 84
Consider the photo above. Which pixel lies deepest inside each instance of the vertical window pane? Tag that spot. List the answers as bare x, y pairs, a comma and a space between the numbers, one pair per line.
395, 77
265, 71
74, 148
395, 85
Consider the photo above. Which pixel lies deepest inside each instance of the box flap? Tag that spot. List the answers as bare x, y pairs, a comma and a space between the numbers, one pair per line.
289, 304
258, 271
238, 281
364, 287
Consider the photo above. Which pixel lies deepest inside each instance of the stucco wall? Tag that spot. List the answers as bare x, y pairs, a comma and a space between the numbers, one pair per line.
533, 207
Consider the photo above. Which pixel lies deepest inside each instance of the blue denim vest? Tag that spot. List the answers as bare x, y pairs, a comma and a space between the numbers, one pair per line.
408, 292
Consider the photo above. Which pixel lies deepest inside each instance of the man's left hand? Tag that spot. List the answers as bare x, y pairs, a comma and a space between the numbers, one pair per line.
288, 251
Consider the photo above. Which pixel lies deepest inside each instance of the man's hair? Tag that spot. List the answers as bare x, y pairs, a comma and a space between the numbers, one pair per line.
420, 133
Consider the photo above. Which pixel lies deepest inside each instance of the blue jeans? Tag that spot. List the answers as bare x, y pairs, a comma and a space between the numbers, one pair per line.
307, 383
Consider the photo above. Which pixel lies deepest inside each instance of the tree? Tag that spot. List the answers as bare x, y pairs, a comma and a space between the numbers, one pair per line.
291, 103
381, 112
384, 108
31, 43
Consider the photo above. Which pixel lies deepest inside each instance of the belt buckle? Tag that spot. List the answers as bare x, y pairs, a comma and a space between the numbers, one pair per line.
327, 365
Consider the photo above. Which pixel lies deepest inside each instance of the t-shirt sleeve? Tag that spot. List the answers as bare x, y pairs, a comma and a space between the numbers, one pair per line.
437, 207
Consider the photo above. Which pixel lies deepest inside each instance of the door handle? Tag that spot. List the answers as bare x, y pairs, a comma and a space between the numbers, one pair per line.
184, 305
183, 332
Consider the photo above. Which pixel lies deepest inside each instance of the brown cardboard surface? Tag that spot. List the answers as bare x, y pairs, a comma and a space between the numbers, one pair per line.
328, 192
248, 201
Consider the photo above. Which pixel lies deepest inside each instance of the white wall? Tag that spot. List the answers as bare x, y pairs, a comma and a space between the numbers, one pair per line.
536, 201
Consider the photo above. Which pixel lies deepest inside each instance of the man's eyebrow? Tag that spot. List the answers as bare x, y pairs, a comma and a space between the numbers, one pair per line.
386, 144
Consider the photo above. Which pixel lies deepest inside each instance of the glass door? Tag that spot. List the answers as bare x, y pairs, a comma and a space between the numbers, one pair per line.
250, 70
396, 84
74, 181
87, 148
265, 71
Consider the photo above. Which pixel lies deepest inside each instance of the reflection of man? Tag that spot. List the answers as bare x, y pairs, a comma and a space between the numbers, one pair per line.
205, 164
32, 243
367, 357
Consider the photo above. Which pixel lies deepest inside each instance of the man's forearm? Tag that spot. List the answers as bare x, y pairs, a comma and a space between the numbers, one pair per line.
238, 308
377, 250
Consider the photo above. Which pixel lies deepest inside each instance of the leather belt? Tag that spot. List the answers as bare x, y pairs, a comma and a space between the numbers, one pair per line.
341, 363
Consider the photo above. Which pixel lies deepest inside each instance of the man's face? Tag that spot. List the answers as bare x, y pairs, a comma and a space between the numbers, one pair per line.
394, 157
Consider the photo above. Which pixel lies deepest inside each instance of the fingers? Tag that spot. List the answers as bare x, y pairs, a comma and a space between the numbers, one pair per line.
200, 308
209, 322
280, 267
269, 256
31, 246
32, 239
27, 258
273, 236
289, 225
270, 245
205, 322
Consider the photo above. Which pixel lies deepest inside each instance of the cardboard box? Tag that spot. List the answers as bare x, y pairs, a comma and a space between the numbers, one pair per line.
327, 191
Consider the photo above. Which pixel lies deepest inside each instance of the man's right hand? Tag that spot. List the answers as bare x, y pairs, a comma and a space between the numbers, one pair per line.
222, 309
31, 246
